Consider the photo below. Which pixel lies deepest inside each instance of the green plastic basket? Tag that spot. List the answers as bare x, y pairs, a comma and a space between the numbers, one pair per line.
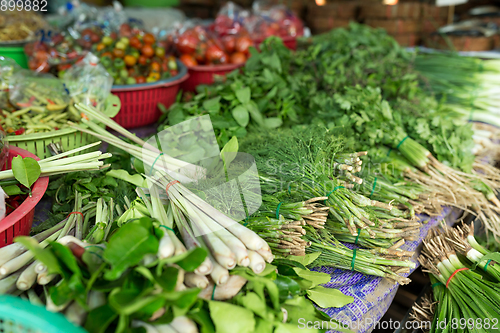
20, 316
16, 53
69, 138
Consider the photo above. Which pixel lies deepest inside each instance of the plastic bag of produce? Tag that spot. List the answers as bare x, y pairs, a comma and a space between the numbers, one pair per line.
37, 91
230, 20
268, 20
88, 82
7, 67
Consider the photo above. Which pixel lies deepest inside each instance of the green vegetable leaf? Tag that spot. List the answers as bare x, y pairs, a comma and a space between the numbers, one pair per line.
12, 190
305, 260
26, 170
44, 255
327, 297
136, 179
273, 122
315, 277
253, 302
229, 152
243, 95
127, 246
229, 318
168, 278
188, 261
100, 318
240, 114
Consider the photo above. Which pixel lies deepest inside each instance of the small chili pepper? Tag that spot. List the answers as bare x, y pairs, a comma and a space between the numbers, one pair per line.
20, 131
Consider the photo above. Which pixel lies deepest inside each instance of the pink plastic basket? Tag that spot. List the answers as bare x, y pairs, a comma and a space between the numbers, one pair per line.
205, 75
18, 223
139, 102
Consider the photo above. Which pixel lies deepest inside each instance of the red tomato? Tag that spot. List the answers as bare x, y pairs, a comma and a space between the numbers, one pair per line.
237, 58
243, 43
113, 35
143, 60
149, 39
215, 55
140, 79
125, 30
94, 38
229, 43
147, 51
200, 52
188, 60
135, 43
187, 43
174, 72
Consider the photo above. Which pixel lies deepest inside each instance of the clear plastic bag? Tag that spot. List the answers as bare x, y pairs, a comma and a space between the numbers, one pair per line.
7, 68
230, 20
273, 20
38, 91
88, 82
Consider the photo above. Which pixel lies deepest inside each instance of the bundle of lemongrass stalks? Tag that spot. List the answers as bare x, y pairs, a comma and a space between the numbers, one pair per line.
466, 288
201, 225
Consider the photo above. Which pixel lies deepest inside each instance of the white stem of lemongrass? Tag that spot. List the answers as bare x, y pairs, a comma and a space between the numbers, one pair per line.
219, 274
206, 266
45, 278
33, 298
251, 240
18, 262
147, 327
27, 277
267, 255
165, 328
257, 263
50, 306
167, 246
184, 324
193, 280
8, 284
75, 313
70, 152
95, 299
223, 292
92, 156
40, 268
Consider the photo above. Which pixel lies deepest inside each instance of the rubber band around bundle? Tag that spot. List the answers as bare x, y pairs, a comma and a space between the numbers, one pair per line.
168, 228
389, 152
353, 258
278, 211
79, 213
92, 252
173, 182
152, 165
487, 263
399, 144
436, 284
213, 292
357, 237
335, 189
289, 188
454, 273
246, 222
373, 188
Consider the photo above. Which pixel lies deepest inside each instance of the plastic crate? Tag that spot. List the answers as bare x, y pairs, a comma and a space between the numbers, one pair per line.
205, 75
18, 223
140, 101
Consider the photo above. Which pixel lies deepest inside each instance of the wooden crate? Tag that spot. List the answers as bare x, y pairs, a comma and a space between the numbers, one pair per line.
342, 10
407, 10
397, 26
460, 43
407, 39
296, 6
323, 24
434, 12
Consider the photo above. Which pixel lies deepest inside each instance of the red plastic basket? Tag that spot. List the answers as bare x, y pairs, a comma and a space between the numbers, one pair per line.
140, 101
18, 223
205, 75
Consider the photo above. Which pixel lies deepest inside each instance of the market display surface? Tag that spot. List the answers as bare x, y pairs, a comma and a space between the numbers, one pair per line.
297, 186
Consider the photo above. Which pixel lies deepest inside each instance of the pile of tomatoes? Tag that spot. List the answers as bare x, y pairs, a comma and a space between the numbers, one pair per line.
197, 46
60, 51
133, 56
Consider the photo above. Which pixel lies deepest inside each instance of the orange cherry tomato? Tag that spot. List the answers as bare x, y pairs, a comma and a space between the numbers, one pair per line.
135, 43
155, 66
130, 60
107, 54
147, 51
100, 47
140, 79
148, 39
188, 60
237, 58
154, 76
118, 53
143, 60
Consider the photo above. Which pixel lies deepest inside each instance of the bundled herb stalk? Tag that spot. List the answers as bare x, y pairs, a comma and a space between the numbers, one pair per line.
456, 287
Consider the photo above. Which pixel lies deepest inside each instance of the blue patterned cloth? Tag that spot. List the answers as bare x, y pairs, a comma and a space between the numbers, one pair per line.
372, 295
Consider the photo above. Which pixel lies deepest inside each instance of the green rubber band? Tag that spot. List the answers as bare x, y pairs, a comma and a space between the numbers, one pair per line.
278, 211
335, 189
353, 258
437, 284
289, 188
357, 237
389, 152
487, 263
399, 145
373, 188
213, 292
246, 222
157, 157
92, 252
164, 226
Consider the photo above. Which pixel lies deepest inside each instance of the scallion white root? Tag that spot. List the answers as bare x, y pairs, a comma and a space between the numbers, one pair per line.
44, 278
27, 277
225, 291
257, 263
219, 274
193, 280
